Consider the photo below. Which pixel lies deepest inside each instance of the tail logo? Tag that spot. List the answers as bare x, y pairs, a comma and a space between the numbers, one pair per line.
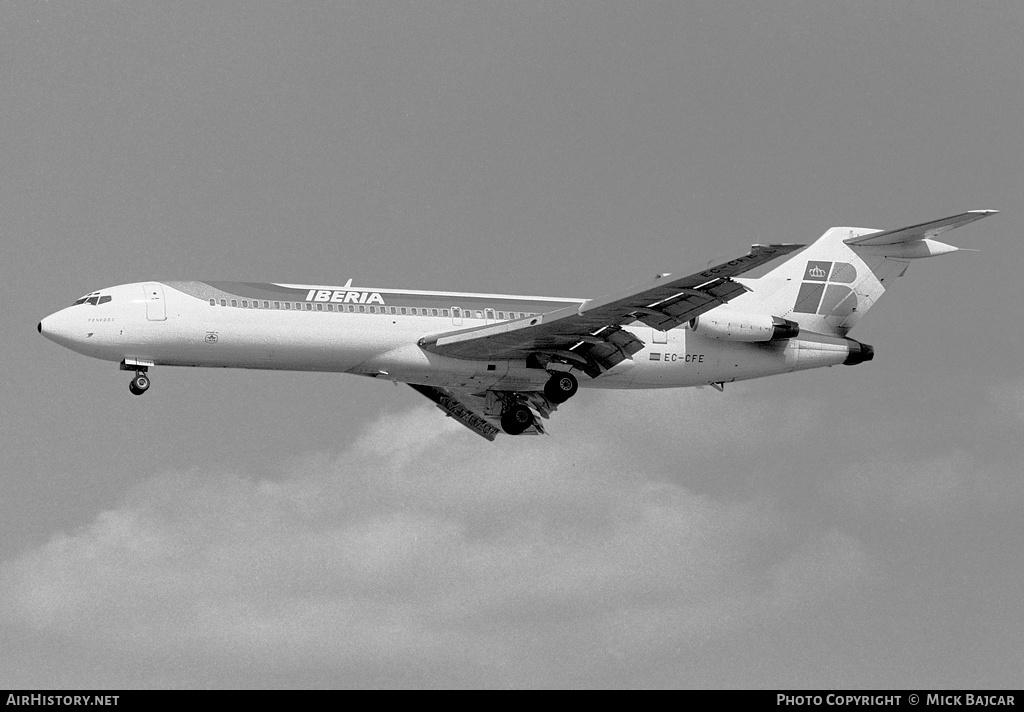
818, 271
826, 279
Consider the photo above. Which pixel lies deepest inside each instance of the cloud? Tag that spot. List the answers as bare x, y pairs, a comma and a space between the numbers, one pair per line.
422, 554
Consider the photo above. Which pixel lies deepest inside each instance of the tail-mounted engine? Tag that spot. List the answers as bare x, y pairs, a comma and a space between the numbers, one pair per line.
737, 326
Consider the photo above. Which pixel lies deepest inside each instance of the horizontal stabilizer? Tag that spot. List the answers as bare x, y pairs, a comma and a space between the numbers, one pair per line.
924, 231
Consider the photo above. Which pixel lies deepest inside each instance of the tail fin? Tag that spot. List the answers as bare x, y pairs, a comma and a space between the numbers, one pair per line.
828, 287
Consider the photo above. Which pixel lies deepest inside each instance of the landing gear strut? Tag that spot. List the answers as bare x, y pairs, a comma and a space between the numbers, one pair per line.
516, 419
561, 387
139, 384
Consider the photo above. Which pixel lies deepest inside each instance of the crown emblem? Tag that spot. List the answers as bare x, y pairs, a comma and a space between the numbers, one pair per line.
817, 272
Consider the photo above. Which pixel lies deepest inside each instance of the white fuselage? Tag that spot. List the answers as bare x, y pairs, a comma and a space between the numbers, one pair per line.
376, 333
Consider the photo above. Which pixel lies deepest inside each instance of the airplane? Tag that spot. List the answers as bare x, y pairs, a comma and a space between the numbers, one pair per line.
502, 363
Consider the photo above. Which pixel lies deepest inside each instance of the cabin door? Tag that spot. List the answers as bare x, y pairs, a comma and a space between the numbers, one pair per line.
156, 307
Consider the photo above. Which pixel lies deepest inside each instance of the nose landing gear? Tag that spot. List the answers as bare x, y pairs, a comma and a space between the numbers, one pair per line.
139, 384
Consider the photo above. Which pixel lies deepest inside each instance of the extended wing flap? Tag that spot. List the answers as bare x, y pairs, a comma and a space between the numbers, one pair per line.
924, 231
680, 308
457, 408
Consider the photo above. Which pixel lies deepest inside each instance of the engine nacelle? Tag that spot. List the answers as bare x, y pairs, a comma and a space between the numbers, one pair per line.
737, 326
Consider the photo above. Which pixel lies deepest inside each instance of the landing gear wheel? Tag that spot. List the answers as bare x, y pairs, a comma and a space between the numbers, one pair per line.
139, 384
561, 387
516, 419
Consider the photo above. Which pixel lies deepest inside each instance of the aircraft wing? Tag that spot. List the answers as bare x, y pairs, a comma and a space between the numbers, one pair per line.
591, 336
924, 231
470, 409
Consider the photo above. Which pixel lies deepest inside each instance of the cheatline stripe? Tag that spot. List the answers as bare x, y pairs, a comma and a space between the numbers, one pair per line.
424, 293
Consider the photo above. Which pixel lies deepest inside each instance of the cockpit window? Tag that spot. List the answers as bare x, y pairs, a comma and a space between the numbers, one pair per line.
94, 299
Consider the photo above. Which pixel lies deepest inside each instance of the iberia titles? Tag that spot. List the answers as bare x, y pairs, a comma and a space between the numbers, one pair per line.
344, 296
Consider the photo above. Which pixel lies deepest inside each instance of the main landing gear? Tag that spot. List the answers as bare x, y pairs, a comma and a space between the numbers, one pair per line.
139, 384
561, 387
516, 419
517, 416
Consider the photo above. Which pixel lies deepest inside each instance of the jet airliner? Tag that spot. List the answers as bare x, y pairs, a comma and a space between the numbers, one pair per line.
503, 363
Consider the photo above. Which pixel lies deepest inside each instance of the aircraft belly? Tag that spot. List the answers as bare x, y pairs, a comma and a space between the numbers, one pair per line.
723, 361
409, 363
684, 360
236, 338
688, 359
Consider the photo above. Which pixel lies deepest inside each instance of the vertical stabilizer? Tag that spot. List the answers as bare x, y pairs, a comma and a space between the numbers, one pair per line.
829, 286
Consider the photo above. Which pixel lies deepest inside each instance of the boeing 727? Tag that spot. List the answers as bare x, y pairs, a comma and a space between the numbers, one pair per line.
505, 363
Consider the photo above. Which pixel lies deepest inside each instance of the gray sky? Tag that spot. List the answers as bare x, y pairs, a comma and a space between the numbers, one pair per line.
850, 527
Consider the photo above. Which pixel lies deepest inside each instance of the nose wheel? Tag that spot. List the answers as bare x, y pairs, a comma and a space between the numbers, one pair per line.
139, 384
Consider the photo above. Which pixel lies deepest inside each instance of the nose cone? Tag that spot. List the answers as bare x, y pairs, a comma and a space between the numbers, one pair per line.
45, 327
60, 328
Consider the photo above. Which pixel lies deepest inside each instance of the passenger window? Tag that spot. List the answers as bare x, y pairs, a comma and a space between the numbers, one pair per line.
403, 310
433, 312
223, 302
234, 302
319, 307
309, 307
287, 306
266, 305
245, 303
362, 309
277, 305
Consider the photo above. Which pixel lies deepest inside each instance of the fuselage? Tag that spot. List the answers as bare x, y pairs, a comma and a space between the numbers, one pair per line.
375, 332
